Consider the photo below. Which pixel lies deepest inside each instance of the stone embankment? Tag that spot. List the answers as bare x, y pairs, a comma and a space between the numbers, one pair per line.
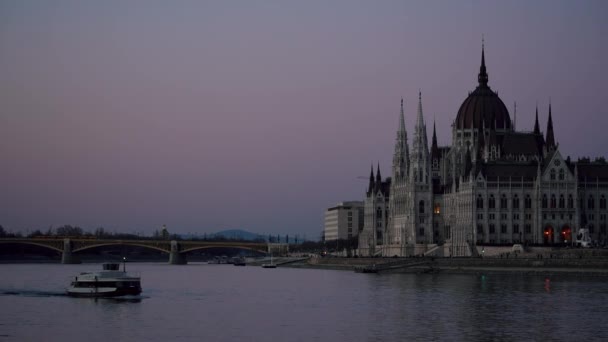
555, 263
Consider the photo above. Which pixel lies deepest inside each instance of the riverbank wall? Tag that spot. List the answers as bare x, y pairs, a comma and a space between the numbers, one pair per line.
591, 265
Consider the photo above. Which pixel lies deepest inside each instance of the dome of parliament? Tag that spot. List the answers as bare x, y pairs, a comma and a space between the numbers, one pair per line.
483, 106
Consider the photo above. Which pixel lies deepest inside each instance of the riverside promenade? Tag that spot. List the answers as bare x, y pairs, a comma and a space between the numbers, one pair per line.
575, 262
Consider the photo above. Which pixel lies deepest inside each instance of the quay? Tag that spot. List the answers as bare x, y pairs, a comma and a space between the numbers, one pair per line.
567, 261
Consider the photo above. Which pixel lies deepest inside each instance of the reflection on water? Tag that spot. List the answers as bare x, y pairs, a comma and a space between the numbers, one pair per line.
226, 303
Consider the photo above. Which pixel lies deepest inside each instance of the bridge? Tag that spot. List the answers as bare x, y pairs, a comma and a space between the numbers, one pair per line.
177, 250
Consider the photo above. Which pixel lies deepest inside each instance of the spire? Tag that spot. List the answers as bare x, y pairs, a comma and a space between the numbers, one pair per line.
419, 162
371, 180
536, 126
434, 135
401, 119
550, 140
434, 147
514, 115
401, 155
420, 118
421, 124
378, 177
483, 75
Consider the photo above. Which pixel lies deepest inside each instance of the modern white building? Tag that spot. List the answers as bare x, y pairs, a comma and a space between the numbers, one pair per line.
344, 221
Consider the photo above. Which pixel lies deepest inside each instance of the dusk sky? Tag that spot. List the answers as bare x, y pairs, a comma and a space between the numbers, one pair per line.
258, 115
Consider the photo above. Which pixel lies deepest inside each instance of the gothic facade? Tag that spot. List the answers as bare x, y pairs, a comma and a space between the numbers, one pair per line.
493, 186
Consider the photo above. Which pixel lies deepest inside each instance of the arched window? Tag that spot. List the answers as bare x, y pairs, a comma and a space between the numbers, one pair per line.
421, 207
590, 202
603, 202
544, 201
437, 209
561, 174
503, 201
528, 202
562, 201
479, 202
570, 202
552, 174
515, 202
553, 202
491, 202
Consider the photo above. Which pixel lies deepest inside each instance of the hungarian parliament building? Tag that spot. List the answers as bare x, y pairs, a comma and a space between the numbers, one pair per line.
493, 186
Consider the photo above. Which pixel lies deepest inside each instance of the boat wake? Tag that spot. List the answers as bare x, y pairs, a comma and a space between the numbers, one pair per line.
32, 293
38, 293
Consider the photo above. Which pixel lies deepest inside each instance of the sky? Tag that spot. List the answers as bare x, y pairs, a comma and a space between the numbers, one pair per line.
258, 115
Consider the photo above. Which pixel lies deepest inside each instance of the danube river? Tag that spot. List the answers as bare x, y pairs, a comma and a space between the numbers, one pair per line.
199, 302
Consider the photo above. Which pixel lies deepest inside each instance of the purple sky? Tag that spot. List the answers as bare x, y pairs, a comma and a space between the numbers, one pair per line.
260, 114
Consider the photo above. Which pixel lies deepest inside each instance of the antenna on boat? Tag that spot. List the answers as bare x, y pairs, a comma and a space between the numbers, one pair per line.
124, 264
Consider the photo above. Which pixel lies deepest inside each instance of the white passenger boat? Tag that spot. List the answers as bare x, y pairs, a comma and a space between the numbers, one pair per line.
110, 282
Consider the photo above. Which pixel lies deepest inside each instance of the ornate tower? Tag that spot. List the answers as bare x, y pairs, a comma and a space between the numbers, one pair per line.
398, 203
401, 155
419, 226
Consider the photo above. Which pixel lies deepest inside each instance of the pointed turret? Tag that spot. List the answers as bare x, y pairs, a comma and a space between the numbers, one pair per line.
483, 74
420, 148
401, 118
514, 115
550, 140
434, 147
371, 180
420, 125
401, 154
378, 177
536, 126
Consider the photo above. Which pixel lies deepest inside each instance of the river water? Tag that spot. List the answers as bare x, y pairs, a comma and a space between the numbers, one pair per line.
200, 302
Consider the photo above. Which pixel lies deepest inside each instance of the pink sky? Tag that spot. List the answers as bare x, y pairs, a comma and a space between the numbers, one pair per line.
260, 114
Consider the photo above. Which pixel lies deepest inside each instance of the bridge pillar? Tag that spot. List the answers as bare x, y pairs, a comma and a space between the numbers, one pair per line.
175, 257
66, 256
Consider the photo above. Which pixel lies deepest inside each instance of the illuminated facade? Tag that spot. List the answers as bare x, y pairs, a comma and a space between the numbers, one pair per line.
493, 186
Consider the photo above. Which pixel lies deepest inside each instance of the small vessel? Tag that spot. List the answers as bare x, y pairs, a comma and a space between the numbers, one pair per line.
271, 265
110, 282
239, 261
366, 269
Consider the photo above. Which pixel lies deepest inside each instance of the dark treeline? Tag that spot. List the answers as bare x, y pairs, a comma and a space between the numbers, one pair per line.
162, 234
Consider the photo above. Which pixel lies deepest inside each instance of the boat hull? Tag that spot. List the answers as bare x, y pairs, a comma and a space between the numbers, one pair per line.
103, 292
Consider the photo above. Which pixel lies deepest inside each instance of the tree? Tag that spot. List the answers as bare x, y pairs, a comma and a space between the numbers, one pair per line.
35, 233
165, 233
2, 231
100, 232
68, 230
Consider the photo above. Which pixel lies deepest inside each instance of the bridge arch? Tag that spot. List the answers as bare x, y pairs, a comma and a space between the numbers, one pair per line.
121, 243
34, 243
249, 248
